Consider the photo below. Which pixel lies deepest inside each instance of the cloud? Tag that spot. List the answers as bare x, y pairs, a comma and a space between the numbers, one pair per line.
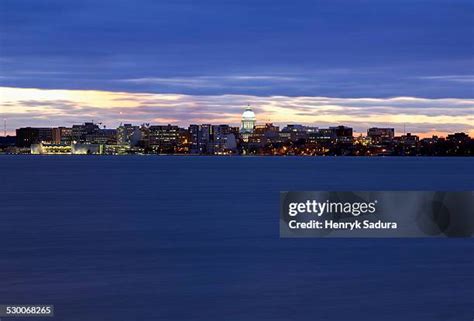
40, 107
241, 81
331, 48
451, 78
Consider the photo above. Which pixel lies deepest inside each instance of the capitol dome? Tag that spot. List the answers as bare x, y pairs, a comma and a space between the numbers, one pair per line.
248, 114
248, 120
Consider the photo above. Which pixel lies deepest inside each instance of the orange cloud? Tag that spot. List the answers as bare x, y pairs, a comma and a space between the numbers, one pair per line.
42, 107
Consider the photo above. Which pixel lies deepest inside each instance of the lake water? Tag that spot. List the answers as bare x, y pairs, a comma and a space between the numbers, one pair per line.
197, 238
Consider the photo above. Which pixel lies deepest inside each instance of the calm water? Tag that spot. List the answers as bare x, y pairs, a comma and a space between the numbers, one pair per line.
196, 238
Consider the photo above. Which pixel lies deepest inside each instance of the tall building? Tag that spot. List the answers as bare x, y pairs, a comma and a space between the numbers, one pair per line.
128, 135
33, 135
224, 139
164, 138
201, 137
248, 121
193, 130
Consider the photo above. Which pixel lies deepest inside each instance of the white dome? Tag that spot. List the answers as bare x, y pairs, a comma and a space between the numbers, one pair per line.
248, 114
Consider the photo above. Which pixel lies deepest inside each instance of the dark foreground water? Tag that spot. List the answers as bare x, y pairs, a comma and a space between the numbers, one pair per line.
197, 238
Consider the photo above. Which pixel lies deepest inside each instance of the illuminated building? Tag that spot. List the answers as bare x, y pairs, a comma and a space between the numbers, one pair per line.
264, 134
200, 138
50, 149
224, 139
128, 135
323, 135
194, 146
164, 139
268, 130
87, 149
248, 122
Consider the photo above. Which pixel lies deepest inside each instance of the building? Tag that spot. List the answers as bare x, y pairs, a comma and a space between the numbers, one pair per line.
87, 149
104, 136
219, 137
224, 139
311, 129
85, 132
248, 121
164, 139
50, 149
62, 135
27, 136
459, 138
409, 139
381, 135
294, 132
201, 137
268, 130
90, 133
128, 135
194, 134
7, 141
265, 134
322, 136
184, 141
343, 134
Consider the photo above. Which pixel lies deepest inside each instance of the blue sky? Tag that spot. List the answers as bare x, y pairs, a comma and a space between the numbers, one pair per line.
336, 48
398, 63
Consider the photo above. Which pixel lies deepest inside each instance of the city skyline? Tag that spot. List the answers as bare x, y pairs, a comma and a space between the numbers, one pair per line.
248, 139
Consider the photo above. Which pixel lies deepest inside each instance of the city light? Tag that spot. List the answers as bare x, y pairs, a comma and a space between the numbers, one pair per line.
250, 138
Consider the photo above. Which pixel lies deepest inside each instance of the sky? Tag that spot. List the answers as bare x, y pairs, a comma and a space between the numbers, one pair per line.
398, 63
